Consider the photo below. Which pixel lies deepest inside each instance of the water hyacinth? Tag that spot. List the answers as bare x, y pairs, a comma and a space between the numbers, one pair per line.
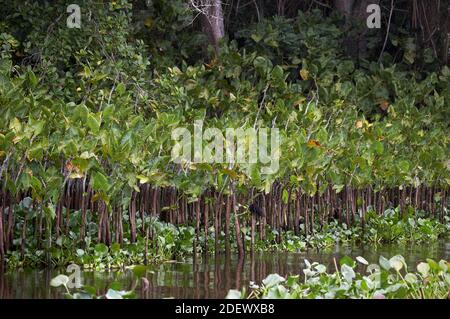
390, 279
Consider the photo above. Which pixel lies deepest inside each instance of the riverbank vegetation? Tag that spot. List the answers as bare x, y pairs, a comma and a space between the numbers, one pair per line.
168, 242
86, 174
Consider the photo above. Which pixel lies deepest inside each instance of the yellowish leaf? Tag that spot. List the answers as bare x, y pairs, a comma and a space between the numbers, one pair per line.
313, 143
230, 172
304, 74
384, 105
149, 23
75, 175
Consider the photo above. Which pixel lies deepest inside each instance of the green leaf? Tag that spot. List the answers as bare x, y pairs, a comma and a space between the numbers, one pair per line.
277, 73
397, 262
115, 248
101, 249
38, 127
443, 265
35, 152
403, 166
15, 125
377, 147
411, 278
80, 252
93, 123
348, 273
49, 211
120, 89
100, 182
5, 66
321, 268
347, 261
423, 268
262, 65
80, 112
285, 196
143, 179
384, 263
32, 79
373, 268
272, 280
433, 265
256, 37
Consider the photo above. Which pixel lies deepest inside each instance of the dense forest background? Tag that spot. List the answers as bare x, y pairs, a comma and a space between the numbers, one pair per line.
181, 30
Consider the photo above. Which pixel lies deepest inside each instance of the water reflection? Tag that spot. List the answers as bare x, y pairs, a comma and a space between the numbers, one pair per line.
210, 276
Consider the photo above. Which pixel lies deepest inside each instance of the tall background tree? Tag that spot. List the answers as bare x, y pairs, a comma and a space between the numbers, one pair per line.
212, 20
426, 21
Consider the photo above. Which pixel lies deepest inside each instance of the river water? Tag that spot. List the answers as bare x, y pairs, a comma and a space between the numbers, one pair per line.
211, 276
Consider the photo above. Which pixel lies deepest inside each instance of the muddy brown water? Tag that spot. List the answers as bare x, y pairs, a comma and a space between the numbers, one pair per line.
211, 276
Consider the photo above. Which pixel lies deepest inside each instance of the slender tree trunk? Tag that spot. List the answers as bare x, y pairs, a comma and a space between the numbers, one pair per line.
212, 20
444, 26
344, 6
132, 215
206, 218
237, 226
2, 249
